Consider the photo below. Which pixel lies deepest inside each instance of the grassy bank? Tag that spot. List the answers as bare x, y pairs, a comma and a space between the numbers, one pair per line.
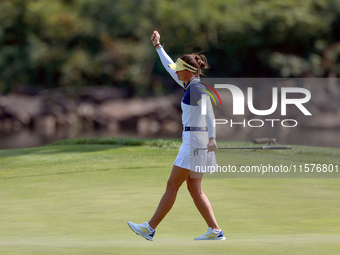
75, 197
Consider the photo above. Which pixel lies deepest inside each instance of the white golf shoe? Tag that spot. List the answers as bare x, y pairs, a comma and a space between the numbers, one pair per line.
143, 230
212, 235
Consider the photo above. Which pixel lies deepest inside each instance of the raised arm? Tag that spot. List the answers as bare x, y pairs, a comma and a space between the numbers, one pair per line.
165, 59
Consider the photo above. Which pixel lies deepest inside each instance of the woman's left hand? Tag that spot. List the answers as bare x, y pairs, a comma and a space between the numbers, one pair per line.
212, 146
155, 37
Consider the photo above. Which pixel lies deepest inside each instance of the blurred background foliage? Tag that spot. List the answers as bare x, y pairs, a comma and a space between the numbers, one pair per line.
71, 43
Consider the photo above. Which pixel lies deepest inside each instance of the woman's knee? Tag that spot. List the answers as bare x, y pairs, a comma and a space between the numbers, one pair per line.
177, 177
194, 189
172, 185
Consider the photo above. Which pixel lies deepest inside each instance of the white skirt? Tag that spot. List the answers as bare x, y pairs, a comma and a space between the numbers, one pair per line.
186, 158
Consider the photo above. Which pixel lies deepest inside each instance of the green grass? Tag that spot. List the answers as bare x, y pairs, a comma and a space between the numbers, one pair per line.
76, 196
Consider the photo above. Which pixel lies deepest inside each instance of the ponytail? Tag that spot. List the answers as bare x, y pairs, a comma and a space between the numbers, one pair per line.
197, 60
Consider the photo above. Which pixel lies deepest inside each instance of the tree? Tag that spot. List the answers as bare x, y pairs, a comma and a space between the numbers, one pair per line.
66, 43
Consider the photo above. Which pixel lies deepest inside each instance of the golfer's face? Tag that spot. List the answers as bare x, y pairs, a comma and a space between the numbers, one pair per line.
182, 75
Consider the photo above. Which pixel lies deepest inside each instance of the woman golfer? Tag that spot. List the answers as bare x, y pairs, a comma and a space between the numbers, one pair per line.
198, 132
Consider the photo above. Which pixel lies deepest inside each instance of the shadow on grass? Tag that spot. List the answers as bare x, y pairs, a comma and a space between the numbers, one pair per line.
45, 150
89, 145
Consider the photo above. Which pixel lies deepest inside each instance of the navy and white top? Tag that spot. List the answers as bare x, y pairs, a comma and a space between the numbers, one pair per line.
191, 101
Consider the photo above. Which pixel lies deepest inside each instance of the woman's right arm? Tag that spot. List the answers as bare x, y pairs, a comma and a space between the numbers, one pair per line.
165, 59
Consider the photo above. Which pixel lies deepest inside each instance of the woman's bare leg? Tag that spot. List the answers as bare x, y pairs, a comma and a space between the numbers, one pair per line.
177, 177
201, 200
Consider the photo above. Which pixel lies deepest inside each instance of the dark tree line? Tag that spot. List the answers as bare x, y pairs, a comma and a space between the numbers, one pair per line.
71, 43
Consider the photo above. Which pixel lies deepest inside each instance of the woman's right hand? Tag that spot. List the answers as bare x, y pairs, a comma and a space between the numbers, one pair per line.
155, 38
212, 146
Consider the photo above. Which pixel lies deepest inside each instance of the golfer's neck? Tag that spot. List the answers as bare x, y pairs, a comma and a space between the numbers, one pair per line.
189, 79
